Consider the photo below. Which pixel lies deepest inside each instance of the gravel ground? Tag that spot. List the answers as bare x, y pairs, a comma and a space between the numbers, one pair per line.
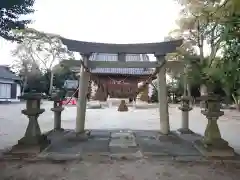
118, 170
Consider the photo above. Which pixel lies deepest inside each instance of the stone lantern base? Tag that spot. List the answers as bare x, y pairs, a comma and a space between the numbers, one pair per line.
184, 131
79, 137
213, 150
33, 140
25, 149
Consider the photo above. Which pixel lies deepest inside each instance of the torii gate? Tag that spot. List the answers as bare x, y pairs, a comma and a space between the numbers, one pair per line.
87, 48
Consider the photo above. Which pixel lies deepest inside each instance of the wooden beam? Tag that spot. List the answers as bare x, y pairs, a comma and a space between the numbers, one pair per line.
121, 64
111, 64
75, 64
83, 47
71, 63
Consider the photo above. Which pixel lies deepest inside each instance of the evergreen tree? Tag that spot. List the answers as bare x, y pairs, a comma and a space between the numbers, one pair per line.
11, 16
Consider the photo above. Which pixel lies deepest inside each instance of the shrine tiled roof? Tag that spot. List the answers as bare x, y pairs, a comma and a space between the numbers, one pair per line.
125, 71
5, 73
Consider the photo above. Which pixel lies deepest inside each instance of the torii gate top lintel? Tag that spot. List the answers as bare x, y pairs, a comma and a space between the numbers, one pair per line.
158, 49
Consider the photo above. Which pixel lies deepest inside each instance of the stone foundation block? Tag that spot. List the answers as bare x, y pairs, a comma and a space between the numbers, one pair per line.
211, 151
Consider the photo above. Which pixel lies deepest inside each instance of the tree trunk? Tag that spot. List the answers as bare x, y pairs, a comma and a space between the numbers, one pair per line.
203, 87
51, 83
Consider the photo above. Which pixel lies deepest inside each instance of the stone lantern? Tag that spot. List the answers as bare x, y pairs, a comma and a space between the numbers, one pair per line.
185, 108
57, 97
123, 106
212, 143
33, 136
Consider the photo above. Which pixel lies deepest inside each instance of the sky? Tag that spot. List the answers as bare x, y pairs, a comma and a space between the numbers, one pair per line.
109, 21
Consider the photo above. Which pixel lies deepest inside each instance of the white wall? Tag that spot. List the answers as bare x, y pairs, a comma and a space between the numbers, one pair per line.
18, 91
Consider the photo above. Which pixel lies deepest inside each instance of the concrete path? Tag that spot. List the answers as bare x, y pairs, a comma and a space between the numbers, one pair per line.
13, 123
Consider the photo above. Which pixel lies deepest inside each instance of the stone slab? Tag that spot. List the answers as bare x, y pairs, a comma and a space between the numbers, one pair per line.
122, 134
127, 156
146, 133
211, 152
190, 158
57, 135
76, 147
189, 137
99, 157
123, 143
96, 145
166, 146
184, 131
100, 134
115, 150
59, 156
20, 152
64, 147
122, 139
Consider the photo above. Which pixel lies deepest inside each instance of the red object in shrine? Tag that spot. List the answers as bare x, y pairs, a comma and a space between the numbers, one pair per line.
69, 101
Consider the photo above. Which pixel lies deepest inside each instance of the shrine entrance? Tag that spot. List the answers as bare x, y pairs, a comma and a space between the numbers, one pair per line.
122, 84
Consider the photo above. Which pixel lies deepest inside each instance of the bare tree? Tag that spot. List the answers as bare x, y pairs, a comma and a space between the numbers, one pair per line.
44, 50
24, 65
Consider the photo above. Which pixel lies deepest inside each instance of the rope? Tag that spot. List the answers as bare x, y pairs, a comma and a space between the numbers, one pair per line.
87, 70
72, 96
150, 78
116, 80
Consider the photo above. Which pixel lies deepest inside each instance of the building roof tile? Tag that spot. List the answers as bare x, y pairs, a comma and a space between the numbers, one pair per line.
5, 73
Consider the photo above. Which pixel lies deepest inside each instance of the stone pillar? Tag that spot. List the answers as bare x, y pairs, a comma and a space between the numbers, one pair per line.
212, 143
57, 109
57, 97
81, 104
33, 134
163, 102
185, 108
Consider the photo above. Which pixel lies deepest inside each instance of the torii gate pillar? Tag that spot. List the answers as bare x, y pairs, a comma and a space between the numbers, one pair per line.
163, 100
82, 97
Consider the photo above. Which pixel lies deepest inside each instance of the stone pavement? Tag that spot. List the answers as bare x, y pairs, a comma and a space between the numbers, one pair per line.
13, 123
123, 145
